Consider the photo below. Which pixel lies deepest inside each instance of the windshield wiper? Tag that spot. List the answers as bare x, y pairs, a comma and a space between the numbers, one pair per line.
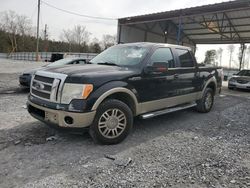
107, 63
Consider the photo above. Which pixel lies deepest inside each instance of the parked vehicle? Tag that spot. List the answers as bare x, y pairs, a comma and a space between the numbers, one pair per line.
25, 77
124, 81
240, 80
56, 56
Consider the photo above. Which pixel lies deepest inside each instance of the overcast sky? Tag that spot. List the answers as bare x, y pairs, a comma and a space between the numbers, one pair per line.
57, 20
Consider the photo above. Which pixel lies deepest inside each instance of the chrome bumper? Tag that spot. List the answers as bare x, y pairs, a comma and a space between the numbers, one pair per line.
238, 85
57, 117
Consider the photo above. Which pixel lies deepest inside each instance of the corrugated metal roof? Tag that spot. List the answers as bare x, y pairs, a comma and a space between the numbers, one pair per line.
227, 22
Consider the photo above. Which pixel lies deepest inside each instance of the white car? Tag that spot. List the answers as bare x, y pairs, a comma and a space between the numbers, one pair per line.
241, 80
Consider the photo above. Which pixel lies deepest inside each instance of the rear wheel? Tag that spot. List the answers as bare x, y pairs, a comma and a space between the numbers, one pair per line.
112, 122
205, 104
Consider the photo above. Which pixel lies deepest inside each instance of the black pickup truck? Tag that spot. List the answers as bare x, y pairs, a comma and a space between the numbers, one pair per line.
124, 81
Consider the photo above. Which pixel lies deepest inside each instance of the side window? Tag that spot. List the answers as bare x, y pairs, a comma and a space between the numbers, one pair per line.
163, 55
185, 58
81, 62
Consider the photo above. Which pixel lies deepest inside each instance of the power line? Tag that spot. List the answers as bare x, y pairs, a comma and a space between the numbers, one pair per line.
77, 14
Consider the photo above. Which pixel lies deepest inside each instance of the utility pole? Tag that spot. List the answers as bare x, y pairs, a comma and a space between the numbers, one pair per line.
37, 30
45, 32
45, 38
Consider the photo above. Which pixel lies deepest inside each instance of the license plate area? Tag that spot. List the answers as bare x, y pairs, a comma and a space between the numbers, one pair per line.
36, 111
51, 117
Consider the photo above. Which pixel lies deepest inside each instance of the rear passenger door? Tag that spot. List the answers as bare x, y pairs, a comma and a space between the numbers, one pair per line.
186, 72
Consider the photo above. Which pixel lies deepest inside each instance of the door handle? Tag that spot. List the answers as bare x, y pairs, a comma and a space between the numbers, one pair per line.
176, 76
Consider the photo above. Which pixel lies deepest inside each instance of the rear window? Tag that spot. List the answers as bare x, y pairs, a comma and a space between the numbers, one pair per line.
185, 58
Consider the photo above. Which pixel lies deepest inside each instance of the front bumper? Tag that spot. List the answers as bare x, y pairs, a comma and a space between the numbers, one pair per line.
238, 85
61, 118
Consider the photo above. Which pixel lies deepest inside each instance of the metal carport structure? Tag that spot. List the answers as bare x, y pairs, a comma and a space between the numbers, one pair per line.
221, 23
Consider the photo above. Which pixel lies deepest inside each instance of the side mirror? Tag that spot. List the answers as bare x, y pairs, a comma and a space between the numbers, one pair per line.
156, 68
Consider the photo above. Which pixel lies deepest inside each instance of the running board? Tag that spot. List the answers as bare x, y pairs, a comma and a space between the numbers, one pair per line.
167, 110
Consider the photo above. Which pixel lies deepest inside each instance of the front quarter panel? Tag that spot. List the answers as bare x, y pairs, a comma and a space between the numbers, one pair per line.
108, 89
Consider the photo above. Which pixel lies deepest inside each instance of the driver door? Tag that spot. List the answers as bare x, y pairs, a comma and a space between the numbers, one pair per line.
160, 85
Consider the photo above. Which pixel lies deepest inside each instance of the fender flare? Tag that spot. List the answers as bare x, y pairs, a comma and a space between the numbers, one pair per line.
209, 81
113, 91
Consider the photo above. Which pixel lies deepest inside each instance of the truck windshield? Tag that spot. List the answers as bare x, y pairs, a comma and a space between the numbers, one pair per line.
244, 73
121, 55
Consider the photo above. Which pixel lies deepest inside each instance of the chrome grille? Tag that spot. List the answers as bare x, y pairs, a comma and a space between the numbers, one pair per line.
47, 86
41, 86
242, 81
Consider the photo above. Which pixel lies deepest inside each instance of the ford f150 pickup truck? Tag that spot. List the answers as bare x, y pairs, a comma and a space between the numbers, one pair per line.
124, 81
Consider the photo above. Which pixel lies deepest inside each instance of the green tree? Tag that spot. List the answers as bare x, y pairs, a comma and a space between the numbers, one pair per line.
219, 53
94, 46
210, 57
17, 27
241, 56
108, 40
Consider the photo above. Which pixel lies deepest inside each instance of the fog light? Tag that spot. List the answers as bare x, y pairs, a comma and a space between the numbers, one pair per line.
69, 120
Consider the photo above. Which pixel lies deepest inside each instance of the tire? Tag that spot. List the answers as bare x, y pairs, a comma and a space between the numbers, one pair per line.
205, 104
112, 123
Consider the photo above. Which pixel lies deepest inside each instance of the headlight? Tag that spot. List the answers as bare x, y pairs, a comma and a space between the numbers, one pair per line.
75, 91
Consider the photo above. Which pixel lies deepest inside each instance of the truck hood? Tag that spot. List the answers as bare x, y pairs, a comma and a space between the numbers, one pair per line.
87, 70
91, 73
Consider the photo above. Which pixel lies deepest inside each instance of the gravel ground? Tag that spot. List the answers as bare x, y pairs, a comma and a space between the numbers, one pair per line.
182, 149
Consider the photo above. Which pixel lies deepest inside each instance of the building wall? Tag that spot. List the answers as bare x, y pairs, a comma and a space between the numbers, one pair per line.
152, 32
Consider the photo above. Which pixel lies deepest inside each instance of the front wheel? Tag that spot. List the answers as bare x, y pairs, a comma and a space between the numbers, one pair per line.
112, 123
205, 104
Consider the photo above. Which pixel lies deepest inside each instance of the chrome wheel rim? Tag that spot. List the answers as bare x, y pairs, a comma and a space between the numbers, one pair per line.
112, 123
208, 101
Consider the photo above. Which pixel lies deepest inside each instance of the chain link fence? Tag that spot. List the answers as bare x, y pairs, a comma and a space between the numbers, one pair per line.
44, 56
3, 55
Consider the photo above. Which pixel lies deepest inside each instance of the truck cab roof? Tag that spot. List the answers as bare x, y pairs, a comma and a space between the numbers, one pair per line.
151, 44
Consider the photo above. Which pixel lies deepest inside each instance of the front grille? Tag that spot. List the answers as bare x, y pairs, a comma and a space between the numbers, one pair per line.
44, 79
242, 81
42, 86
47, 85
40, 94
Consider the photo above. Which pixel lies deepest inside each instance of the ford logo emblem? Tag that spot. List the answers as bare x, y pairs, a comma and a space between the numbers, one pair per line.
39, 86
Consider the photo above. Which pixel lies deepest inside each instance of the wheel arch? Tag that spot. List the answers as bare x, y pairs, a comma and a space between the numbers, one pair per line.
120, 93
211, 83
